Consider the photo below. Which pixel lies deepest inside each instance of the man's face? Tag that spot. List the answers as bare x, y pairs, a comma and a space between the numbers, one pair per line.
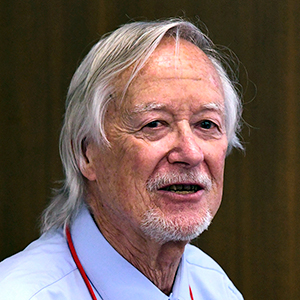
162, 176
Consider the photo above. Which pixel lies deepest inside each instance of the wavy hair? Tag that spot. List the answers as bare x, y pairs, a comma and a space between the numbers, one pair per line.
91, 90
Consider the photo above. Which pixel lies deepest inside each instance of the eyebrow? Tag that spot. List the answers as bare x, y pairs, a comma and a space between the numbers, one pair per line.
141, 108
214, 106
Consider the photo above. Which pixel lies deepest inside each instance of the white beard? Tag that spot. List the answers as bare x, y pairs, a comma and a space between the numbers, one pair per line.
163, 229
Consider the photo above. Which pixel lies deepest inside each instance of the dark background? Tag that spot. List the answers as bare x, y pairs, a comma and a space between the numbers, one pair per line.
255, 235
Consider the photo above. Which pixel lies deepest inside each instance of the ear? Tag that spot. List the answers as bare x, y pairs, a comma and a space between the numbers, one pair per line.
87, 164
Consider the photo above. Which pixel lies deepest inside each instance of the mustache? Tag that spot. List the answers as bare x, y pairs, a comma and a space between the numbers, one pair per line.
161, 180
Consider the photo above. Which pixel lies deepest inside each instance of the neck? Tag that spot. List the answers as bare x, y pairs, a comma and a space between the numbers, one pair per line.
158, 262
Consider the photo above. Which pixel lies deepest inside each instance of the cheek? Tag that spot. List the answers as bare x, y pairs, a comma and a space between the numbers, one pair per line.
141, 158
215, 159
127, 170
217, 164
132, 167
216, 170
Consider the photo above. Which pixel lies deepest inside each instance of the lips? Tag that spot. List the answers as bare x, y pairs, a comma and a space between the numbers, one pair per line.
180, 183
182, 188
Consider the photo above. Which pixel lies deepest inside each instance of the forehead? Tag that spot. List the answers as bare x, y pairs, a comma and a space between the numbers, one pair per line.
180, 59
173, 62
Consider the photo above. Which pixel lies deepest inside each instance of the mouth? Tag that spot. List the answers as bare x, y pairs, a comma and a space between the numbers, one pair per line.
182, 189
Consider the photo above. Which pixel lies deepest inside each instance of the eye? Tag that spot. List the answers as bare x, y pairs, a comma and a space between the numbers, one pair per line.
153, 124
154, 130
206, 124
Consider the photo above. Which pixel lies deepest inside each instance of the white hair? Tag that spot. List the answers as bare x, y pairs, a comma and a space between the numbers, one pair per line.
93, 87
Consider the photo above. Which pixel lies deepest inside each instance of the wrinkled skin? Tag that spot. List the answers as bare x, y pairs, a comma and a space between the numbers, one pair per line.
171, 120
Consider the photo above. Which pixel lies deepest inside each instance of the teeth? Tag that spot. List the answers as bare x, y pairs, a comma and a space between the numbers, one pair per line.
183, 188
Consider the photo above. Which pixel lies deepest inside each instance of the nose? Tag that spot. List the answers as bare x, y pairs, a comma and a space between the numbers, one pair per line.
186, 149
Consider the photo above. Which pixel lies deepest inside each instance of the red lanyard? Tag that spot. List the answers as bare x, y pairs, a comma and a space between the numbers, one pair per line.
81, 270
78, 264
191, 293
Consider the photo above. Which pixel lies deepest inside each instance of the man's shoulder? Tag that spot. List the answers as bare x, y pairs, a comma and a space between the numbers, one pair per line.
44, 263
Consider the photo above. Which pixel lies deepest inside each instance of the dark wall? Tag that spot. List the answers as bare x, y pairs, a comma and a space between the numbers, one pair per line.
255, 234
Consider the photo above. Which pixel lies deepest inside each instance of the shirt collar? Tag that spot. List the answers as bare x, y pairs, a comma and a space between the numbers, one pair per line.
112, 276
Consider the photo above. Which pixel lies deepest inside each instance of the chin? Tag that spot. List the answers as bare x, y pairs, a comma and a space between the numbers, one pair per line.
164, 229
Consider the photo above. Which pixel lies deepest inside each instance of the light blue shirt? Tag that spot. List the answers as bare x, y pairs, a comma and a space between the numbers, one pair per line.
45, 270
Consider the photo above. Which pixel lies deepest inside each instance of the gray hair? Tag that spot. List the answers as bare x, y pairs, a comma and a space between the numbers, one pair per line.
91, 90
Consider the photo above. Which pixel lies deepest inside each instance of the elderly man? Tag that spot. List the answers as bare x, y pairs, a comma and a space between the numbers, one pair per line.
150, 117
